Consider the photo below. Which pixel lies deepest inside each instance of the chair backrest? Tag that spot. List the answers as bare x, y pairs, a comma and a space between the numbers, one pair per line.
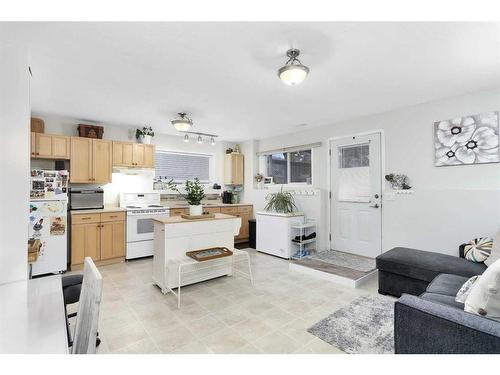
87, 317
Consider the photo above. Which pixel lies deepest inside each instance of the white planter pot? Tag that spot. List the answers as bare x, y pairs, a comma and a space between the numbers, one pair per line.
196, 210
146, 139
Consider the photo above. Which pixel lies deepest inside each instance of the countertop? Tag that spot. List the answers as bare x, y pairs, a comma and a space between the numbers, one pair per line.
97, 210
179, 219
177, 204
292, 214
32, 317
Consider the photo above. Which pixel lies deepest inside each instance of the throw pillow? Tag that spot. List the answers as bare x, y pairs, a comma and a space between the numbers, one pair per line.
464, 291
484, 298
478, 250
495, 251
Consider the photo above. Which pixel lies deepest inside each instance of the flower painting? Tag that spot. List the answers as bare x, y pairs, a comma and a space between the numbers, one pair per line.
467, 140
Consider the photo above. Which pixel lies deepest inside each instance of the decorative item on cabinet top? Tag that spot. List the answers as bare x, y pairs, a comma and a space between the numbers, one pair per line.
37, 125
145, 135
90, 131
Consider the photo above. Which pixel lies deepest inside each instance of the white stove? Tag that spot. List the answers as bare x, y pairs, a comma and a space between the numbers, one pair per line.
141, 208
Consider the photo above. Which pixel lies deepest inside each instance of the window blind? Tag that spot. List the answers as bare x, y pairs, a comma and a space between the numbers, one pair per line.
182, 166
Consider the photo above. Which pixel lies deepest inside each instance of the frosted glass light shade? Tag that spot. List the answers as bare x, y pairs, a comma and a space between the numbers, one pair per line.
182, 125
293, 74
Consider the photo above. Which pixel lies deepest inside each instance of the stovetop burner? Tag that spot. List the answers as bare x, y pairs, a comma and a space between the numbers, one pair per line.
132, 207
155, 205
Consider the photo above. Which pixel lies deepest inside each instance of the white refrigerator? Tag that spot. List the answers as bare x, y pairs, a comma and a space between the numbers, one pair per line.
48, 219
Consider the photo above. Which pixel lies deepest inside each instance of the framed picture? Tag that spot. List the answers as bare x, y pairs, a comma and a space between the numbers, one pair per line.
467, 140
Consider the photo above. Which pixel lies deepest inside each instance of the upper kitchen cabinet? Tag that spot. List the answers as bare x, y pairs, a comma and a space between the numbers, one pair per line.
123, 154
102, 152
48, 146
149, 156
91, 161
133, 155
233, 169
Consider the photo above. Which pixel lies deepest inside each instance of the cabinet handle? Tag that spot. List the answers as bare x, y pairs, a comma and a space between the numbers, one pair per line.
86, 218
112, 216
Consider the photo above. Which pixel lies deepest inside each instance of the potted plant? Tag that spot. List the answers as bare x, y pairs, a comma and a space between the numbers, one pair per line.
145, 135
281, 202
398, 181
194, 195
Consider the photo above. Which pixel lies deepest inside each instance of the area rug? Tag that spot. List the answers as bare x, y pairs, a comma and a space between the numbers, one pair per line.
364, 326
352, 261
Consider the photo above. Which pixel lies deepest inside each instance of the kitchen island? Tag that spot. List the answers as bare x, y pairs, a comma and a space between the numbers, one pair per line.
174, 236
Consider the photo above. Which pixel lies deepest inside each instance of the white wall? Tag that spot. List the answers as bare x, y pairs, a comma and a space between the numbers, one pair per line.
136, 180
450, 205
14, 162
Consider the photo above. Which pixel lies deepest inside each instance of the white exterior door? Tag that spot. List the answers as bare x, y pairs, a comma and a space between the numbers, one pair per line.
356, 208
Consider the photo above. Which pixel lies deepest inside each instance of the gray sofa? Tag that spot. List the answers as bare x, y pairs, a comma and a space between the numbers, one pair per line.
427, 319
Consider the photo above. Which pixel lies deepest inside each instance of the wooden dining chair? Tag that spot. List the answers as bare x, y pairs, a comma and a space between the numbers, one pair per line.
87, 319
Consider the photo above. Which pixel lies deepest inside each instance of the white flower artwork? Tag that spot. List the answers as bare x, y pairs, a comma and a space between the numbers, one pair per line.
467, 140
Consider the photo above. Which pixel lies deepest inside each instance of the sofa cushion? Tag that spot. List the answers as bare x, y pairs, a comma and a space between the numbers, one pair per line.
446, 284
425, 265
478, 249
442, 299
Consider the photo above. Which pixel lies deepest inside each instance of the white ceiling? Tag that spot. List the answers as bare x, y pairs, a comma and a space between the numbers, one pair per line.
224, 74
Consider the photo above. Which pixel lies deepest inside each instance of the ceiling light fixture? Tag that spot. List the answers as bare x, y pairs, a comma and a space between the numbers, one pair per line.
293, 72
199, 137
183, 123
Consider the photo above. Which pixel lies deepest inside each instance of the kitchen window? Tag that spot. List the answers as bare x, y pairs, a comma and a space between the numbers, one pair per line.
289, 167
181, 166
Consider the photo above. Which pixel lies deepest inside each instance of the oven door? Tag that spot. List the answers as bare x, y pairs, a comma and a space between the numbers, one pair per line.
140, 227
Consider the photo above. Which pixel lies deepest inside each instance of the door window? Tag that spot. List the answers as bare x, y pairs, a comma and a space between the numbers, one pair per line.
354, 173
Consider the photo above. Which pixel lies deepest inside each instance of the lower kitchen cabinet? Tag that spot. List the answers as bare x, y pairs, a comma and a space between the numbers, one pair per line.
98, 236
112, 240
243, 212
85, 242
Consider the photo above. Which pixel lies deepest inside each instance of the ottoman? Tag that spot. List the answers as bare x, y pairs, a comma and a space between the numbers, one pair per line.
404, 270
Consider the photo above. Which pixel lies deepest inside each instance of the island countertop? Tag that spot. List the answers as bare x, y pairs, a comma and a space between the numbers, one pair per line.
179, 219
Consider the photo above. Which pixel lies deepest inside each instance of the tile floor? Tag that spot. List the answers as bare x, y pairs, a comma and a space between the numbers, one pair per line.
225, 315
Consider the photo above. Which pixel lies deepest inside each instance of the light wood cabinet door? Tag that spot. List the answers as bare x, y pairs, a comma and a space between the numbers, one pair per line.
233, 169
85, 242
112, 240
123, 154
61, 147
244, 229
47, 146
33, 144
81, 162
138, 155
43, 145
77, 244
149, 156
102, 160
93, 241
